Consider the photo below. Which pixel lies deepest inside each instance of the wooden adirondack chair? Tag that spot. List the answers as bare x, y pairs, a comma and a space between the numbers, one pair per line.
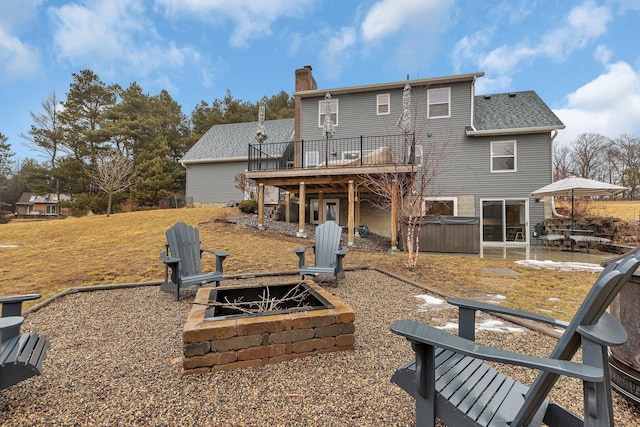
327, 250
450, 381
21, 355
183, 256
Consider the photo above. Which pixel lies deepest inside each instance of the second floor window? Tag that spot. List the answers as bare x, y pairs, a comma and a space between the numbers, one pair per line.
334, 112
439, 103
503, 156
383, 101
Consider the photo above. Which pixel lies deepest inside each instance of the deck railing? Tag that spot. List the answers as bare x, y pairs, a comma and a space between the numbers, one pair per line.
335, 152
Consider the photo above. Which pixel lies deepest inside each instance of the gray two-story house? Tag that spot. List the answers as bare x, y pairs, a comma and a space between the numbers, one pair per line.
491, 152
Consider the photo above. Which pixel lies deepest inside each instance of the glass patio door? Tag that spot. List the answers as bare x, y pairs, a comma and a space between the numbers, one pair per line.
331, 210
504, 221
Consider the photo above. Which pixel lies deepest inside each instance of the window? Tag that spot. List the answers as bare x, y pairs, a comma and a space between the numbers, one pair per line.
51, 210
383, 101
334, 112
503, 156
312, 159
331, 211
417, 157
440, 206
438, 103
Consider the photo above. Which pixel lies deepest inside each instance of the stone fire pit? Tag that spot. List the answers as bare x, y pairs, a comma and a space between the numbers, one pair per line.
230, 340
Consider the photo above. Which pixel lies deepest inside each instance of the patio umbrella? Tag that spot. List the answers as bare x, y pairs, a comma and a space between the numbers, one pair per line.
573, 186
404, 122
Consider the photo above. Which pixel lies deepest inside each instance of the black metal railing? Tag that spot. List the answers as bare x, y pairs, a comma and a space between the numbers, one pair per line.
334, 152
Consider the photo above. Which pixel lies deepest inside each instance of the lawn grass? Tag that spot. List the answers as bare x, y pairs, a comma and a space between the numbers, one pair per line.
51, 256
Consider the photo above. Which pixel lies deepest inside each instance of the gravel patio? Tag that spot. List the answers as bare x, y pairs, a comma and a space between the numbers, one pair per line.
115, 359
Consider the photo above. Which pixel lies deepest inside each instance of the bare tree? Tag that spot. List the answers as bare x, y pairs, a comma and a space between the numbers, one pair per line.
625, 159
561, 162
410, 193
113, 174
247, 186
587, 155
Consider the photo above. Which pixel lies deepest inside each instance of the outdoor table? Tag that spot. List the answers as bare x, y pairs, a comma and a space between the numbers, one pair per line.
569, 233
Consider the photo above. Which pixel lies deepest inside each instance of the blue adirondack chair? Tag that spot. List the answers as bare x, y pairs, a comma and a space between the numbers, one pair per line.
21, 355
327, 250
183, 256
450, 381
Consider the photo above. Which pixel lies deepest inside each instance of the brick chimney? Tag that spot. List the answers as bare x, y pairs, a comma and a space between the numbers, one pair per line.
304, 81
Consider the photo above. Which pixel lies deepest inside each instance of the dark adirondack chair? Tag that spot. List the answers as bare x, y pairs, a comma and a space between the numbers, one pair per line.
21, 355
183, 256
450, 381
327, 250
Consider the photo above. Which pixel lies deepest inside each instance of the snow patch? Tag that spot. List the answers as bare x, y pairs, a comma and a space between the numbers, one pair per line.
487, 325
430, 302
562, 266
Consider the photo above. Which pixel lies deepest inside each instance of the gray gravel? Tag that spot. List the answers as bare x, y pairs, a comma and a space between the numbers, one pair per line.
115, 359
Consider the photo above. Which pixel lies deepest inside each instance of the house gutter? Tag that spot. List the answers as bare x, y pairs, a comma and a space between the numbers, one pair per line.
388, 86
512, 131
204, 161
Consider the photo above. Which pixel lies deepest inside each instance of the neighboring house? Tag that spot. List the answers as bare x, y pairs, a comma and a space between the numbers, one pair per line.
222, 153
493, 151
32, 205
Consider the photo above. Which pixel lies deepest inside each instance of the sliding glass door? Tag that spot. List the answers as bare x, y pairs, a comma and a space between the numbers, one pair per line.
504, 221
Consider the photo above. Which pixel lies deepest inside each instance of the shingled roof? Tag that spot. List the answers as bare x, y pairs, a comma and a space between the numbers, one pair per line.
519, 112
231, 141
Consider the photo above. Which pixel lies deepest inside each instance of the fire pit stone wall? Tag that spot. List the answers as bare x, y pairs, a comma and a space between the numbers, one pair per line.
258, 340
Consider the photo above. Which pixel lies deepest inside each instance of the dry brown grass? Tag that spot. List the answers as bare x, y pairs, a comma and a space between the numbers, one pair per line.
52, 256
625, 210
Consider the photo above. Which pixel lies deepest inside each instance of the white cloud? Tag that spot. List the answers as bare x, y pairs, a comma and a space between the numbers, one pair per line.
608, 105
16, 58
252, 19
388, 17
603, 54
465, 49
114, 35
413, 26
17, 15
335, 54
583, 24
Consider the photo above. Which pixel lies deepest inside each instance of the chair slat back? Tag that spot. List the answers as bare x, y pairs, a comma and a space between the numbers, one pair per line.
604, 290
327, 243
184, 243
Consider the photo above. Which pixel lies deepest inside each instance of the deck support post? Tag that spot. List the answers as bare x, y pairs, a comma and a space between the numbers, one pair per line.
287, 207
260, 206
394, 215
350, 214
301, 201
320, 207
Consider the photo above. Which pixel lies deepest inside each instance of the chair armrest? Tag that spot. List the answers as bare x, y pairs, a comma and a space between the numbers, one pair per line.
12, 305
169, 259
220, 257
493, 308
10, 322
606, 332
301, 253
419, 333
340, 253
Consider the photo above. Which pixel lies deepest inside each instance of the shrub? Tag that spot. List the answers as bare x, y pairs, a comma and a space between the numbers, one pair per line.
248, 206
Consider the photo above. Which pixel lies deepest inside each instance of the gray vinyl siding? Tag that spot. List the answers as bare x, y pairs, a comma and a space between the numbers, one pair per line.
464, 163
214, 182
357, 113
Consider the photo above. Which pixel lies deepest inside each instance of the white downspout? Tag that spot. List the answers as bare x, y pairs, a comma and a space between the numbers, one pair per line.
554, 212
